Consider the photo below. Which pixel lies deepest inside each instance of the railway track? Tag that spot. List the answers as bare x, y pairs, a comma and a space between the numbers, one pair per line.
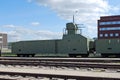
64, 62
75, 63
60, 74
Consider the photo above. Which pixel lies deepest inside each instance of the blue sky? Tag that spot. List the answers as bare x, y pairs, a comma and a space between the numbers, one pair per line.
46, 19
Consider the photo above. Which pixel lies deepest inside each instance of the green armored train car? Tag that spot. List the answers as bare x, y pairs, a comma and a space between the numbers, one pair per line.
72, 44
107, 47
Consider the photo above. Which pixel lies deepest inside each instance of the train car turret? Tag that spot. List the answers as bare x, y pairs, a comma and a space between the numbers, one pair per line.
71, 28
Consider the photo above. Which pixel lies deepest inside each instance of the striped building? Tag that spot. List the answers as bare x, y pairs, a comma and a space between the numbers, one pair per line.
3, 40
109, 27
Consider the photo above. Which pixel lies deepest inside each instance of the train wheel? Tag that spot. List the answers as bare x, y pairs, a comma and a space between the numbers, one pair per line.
104, 55
27, 55
84, 55
18, 55
72, 55
33, 55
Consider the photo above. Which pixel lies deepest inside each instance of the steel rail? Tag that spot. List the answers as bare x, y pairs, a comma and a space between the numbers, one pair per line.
63, 64
105, 60
65, 77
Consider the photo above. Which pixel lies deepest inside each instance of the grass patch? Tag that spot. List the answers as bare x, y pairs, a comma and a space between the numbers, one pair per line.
8, 54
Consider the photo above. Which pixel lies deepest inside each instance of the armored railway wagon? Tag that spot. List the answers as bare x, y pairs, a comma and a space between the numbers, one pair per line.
72, 44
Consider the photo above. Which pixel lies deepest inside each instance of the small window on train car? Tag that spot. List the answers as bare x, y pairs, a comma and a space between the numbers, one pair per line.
74, 49
109, 48
19, 50
68, 40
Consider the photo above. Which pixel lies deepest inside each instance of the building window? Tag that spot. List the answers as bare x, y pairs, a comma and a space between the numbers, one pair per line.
109, 23
1, 36
106, 35
101, 35
111, 34
116, 34
109, 28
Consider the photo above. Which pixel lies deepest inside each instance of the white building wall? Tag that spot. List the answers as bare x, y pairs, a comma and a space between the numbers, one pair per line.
3, 40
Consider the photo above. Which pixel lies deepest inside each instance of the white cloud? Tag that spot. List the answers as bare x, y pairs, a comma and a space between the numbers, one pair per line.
85, 8
35, 23
88, 11
18, 33
13, 36
45, 34
9, 26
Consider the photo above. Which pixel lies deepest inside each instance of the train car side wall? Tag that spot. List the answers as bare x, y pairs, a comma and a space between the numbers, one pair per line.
16, 47
74, 44
108, 46
30, 47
